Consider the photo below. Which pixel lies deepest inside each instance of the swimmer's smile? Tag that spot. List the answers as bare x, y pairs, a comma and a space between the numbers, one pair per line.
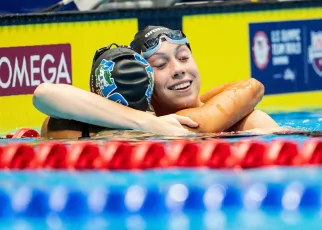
181, 86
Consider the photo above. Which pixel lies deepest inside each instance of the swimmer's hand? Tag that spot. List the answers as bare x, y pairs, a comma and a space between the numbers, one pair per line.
179, 120
169, 125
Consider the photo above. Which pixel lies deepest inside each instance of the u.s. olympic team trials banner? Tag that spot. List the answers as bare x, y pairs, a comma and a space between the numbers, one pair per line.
287, 56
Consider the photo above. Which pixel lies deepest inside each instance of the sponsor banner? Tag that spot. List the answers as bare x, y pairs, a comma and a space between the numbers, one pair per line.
222, 45
287, 56
57, 52
23, 68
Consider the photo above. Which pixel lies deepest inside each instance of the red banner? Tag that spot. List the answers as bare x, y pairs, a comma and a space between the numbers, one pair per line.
22, 69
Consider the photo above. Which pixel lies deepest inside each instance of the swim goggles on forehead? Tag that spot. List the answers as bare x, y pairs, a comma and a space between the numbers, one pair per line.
152, 45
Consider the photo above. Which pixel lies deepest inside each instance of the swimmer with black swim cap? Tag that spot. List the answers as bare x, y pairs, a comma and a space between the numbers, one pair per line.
122, 75
118, 74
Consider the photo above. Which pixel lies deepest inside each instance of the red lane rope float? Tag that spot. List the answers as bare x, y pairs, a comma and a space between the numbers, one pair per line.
1, 156
148, 155
216, 154
184, 153
312, 152
24, 133
251, 154
283, 153
17, 156
51, 155
82, 156
120, 155
116, 155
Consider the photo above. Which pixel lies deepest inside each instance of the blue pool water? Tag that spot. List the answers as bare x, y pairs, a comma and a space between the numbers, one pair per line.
275, 198
266, 198
300, 120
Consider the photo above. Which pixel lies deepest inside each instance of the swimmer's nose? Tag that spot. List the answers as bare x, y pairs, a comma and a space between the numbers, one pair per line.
178, 70
179, 74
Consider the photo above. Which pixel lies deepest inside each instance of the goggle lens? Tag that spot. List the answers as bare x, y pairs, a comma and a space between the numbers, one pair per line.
153, 42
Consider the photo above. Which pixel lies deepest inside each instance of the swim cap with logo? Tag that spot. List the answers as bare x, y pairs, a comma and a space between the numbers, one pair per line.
122, 75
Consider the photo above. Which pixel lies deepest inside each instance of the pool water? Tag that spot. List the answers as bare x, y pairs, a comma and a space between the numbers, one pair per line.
167, 199
264, 198
300, 120
304, 121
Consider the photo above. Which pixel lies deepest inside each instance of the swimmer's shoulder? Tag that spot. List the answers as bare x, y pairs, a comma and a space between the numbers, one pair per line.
53, 128
56, 128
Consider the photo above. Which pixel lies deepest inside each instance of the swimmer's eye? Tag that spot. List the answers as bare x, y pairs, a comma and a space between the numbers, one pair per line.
160, 66
184, 58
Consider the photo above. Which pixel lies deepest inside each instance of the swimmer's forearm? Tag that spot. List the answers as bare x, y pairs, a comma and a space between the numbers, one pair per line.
227, 108
215, 91
68, 102
236, 102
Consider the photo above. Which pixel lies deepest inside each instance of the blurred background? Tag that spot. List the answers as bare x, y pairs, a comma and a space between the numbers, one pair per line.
276, 42
267, 182
36, 6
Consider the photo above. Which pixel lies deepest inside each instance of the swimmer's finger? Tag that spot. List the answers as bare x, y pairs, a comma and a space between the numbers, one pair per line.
180, 132
187, 121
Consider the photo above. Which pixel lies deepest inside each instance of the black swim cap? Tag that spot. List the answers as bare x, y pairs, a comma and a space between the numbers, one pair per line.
148, 32
122, 75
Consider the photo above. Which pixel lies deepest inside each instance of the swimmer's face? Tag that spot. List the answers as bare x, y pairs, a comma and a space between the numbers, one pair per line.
177, 79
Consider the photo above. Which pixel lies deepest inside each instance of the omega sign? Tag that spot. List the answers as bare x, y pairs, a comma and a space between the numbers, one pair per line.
22, 69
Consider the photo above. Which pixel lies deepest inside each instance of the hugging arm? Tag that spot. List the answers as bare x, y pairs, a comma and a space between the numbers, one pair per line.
215, 91
68, 102
65, 102
228, 107
256, 118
